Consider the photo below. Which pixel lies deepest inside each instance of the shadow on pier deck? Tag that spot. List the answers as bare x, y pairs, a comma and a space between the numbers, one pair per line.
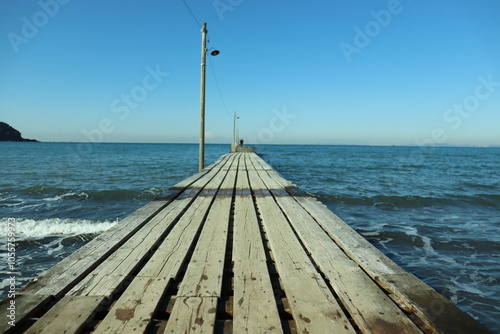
233, 249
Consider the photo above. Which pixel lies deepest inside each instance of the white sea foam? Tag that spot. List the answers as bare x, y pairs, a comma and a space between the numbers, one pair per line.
467, 287
54, 247
35, 229
427, 246
69, 194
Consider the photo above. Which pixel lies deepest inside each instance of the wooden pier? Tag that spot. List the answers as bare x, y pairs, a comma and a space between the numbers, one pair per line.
233, 249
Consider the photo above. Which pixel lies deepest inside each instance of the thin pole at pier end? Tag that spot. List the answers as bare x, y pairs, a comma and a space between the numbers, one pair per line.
234, 128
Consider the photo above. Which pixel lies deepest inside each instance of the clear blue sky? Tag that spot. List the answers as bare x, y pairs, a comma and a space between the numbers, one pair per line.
348, 72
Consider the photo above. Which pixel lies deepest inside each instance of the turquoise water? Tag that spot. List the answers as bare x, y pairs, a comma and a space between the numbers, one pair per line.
434, 211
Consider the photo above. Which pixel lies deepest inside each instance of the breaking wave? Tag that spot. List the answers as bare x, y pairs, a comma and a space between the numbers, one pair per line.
38, 229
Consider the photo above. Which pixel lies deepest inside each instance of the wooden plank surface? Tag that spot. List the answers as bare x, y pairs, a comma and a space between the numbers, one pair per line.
432, 309
63, 276
254, 309
125, 273
177, 245
193, 315
106, 278
113, 272
132, 313
203, 277
165, 264
366, 302
313, 306
26, 306
69, 315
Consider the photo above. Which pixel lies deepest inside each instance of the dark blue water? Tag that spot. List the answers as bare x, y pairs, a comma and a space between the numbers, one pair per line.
434, 211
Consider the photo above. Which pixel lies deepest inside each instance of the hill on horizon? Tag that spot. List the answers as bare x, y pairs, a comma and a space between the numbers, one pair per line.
8, 133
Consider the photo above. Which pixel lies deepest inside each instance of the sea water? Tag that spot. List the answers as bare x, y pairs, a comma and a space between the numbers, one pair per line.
434, 211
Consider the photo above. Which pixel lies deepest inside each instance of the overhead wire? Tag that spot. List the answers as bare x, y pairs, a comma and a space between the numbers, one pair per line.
210, 60
217, 85
190, 11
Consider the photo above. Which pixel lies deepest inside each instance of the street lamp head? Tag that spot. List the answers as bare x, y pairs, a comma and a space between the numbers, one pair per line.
215, 52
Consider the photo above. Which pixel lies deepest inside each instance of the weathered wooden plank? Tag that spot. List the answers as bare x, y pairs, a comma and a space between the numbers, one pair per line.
107, 277
60, 278
135, 308
203, 277
175, 247
192, 315
353, 244
143, 295
366, 302
70, 270
299, 229
69, 315
112, 273
63, 276
166, 259
254, 308
435, 311
313, 306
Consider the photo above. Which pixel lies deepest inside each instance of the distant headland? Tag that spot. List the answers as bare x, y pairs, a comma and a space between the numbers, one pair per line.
8, 133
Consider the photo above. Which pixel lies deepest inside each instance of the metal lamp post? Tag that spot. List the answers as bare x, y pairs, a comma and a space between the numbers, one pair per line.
234, 128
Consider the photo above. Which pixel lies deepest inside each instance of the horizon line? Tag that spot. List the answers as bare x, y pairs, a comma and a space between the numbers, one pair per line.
285, 144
